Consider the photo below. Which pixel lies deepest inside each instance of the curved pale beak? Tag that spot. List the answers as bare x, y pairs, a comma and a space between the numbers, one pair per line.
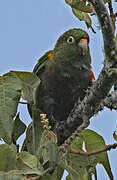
83, 43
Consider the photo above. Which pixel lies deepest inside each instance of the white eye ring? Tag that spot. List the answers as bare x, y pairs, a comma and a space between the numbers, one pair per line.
70, 40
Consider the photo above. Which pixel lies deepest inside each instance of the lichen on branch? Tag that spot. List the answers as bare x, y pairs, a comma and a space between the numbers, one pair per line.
100, 89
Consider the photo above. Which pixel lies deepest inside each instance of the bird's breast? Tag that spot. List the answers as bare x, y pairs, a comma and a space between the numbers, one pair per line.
64, 88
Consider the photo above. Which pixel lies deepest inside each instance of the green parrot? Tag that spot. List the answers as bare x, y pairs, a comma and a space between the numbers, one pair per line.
65, 74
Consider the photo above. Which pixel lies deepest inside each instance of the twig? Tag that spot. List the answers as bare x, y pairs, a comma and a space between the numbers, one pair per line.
24, 102
93, 30
75, 134
110, 7
105, 148
112, 15
115, 15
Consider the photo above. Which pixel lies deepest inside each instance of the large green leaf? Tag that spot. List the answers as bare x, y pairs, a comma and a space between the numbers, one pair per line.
37, 128
77, 165
81, 9
77, 143
73, 174
94, 141
27, 163
10, 92
30, 82
12, 175
52, 152
18, 128
12, 85
48, 178
48, 150
7, 157
28, 142
82, 16
83, 163
80, 5
58, 172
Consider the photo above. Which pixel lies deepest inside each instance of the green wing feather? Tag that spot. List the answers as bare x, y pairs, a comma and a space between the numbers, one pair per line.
40, 66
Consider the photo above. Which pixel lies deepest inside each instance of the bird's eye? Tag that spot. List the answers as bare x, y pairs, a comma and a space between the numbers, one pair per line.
70, 40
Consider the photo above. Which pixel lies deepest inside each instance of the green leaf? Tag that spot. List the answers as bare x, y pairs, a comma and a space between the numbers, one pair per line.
11, 86
28, 143
34, 132
10, 92
2, 175
48, 178
58, 172
27, 163
19, 128
48, 149
77, 144
92, 171
73, 174
82, 16
37, 128
80, 5
12, 175
81, 164
94, 141
105, 1
78, 161
30, 82
7, 157
52, 152
82, 175
48, 135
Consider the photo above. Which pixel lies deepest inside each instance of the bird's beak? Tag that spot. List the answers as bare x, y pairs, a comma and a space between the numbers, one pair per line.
83, 43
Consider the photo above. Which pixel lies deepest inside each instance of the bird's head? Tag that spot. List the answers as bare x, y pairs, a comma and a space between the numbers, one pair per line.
73, 45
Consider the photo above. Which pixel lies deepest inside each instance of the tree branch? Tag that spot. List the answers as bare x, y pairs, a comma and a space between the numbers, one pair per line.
100, 89
112, 15
105, 148
24, 102
110, 101
115, 15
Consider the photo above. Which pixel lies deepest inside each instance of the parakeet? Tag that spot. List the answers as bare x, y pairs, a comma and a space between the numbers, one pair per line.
65, 74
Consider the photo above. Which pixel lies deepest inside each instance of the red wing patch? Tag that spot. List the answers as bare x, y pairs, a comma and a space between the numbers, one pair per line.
92, 76
50, 56
49, 70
